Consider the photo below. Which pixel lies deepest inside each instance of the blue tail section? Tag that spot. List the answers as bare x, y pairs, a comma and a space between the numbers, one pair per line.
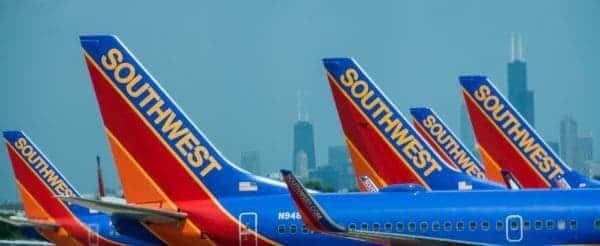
394, 129
521, 136
449, 145
43, 168
116, 71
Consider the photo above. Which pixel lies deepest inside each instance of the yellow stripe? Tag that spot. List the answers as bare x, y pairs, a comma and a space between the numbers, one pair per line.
186, 168
380, 134
376, 176
505, 137
61, 202
156, 187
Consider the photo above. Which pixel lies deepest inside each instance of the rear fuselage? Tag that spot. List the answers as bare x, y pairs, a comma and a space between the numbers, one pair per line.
491, 217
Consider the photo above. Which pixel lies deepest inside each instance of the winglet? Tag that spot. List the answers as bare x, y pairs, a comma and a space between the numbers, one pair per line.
313, 215
510, 180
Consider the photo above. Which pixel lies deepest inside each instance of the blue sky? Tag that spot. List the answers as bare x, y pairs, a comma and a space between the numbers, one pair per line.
235, 66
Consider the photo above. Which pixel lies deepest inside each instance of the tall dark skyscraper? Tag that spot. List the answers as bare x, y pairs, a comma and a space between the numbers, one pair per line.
518, 94
303, 155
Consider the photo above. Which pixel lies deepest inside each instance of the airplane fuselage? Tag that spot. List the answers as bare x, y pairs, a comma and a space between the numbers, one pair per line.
488, 217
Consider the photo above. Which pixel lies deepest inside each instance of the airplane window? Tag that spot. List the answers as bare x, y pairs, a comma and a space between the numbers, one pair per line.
435, 226
499, 225
549, 224
364, 226
526, 225
561, 225
460, 226
304, 229
472, 225
293, 229
412, 226
375, 226
399, 226
485, 225
388, 227
352, 227
572, 224
597, 224
538, 224
424, 226
514, 225
447, 226
281, 229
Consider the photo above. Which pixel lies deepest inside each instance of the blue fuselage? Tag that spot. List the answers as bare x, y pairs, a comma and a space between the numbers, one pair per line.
484, 217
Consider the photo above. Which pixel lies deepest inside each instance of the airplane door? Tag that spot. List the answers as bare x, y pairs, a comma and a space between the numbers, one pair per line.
93, 235
514, 228
247, 229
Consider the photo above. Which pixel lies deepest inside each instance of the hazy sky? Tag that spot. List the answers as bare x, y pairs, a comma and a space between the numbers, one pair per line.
235, 67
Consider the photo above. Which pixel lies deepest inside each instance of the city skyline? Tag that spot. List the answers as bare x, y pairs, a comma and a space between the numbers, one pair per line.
238, 80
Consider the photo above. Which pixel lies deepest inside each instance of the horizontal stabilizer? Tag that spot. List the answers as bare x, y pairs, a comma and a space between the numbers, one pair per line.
144, 214
24, 222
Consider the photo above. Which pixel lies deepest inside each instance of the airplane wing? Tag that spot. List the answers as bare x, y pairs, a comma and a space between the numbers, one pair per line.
317, 220
24, 222
140, 213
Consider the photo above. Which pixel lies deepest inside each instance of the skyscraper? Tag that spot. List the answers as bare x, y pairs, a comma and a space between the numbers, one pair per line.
304, 147
303, 155
518, 94
250, 161
338, 156
569, 141
585, 150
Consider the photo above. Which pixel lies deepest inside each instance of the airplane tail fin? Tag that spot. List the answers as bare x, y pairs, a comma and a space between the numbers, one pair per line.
382, 143
447, 145
38, 180
507, 138
148, 130
311, 212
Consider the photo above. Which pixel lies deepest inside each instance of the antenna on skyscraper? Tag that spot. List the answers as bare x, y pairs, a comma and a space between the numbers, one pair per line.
520, 47
302, 112
512, 47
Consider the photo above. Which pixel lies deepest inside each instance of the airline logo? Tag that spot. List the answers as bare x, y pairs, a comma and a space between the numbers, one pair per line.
451, 147
158, 109
388, 121
39, 164
513, 127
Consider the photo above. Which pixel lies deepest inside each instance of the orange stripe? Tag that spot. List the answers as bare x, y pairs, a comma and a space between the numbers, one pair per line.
505, 137
379, 133
75, 218
185, 167
139, 180
363, 167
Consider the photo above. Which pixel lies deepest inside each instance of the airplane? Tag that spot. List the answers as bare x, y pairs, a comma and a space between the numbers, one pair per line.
167, 165
232, 206
446, 144
382, 143
39, 182
479, 217
505, 140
